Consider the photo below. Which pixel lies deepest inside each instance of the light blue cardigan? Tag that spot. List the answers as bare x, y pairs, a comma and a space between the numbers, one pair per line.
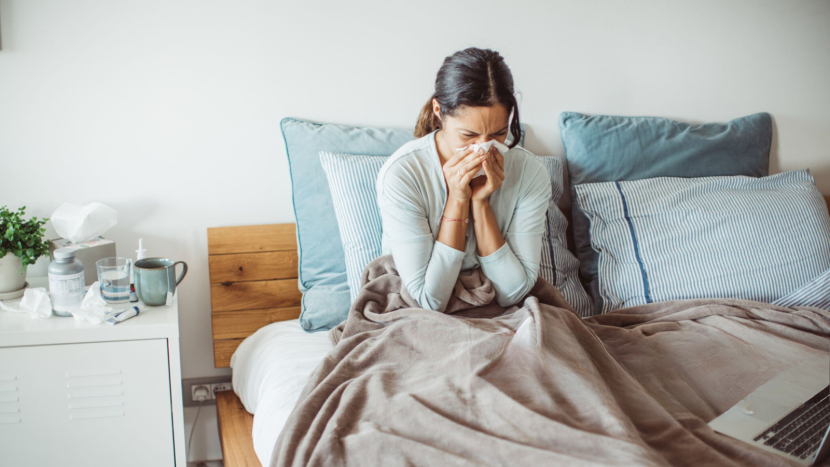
411, 198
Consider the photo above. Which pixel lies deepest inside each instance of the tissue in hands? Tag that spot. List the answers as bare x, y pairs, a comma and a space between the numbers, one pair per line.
80, 224
486, 147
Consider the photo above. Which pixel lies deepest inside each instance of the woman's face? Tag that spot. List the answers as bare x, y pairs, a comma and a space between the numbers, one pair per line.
473, 125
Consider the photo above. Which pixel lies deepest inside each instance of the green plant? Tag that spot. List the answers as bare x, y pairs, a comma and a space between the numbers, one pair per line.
22, 238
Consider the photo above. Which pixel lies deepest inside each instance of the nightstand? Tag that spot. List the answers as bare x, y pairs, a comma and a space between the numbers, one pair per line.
80, 394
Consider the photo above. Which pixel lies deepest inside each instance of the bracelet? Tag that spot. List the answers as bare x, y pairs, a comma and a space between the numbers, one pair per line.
466, 221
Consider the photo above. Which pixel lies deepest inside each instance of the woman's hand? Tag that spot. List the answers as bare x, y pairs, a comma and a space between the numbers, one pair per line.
459, 170
483, 187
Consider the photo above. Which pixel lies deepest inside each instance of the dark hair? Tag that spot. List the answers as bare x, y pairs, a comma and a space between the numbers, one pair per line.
471, 77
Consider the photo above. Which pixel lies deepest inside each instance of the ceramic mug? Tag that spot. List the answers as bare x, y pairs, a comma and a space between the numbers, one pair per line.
155, 280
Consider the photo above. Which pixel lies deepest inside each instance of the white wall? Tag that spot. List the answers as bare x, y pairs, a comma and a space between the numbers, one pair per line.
169, 111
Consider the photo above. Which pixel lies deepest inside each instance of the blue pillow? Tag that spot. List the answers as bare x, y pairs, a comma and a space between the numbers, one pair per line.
322, 268
603, 148
713, 237
559, 266
352, 180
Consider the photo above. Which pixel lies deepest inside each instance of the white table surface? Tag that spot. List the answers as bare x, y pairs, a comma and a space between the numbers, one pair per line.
154, 322
18, 329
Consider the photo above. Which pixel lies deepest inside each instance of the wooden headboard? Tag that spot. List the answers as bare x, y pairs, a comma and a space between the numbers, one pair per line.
253, 282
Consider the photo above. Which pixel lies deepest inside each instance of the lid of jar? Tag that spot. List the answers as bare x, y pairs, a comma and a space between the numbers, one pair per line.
64, 253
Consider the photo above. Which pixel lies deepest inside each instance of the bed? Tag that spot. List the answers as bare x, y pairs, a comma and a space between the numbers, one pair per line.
253, 273
689, 277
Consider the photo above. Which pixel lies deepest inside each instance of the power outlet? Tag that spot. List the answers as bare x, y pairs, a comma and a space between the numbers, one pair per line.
216, 387
201, 391
211, 383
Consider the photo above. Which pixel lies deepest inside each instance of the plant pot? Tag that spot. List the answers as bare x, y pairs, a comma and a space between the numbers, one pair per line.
10, 277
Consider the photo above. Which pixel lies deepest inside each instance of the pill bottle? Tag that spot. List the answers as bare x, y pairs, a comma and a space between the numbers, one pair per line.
66, 281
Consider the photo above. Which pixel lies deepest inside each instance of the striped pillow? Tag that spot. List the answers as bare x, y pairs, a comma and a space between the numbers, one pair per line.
559, 266
816, 293
352, 182
713, 237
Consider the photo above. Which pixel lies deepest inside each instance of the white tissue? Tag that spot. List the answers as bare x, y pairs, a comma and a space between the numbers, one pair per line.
80, 224
94, 308
486, 147
35, 301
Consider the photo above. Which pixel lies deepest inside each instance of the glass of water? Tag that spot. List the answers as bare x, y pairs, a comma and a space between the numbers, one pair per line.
114, 277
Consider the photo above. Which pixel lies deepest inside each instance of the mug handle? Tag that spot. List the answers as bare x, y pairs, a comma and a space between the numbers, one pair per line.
184, 270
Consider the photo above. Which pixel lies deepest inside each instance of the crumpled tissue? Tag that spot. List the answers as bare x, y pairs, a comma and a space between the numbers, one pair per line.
35, 301
80, 224
486, 147
94, 308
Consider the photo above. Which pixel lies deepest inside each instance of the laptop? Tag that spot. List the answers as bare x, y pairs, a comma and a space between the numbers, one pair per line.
788, 415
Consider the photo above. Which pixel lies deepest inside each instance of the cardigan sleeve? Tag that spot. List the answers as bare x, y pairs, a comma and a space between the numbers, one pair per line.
514, 268
427, 267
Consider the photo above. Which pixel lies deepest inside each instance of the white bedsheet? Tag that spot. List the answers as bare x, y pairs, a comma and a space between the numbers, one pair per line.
270, 369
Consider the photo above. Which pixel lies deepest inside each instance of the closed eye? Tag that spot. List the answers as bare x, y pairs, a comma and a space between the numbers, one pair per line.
469, 134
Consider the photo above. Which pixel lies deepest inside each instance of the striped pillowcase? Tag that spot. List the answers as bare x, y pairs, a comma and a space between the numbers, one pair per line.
352, 179
352, 182
713, 237
558, 265
816, 294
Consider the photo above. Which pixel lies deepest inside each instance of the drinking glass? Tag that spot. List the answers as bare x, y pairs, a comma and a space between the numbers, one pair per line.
114, 277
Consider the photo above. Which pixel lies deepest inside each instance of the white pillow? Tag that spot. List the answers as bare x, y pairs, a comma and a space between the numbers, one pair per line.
714, 237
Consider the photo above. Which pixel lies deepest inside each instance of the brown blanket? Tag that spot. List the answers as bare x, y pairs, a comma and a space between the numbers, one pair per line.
535, 385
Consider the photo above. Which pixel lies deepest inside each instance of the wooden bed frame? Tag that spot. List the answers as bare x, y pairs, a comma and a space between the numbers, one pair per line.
253, 282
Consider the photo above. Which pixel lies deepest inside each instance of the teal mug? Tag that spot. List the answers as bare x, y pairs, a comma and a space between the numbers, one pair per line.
155, 280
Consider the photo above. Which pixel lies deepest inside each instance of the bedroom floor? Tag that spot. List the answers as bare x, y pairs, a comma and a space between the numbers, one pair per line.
216, 463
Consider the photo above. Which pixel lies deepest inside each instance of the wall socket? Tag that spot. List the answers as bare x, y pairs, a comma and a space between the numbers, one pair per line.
201, 390
216, 387
212, 384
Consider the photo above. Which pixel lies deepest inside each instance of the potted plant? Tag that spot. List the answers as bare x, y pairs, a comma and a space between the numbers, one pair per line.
21, 244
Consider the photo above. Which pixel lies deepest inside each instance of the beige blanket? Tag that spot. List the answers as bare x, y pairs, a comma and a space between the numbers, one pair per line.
534, 385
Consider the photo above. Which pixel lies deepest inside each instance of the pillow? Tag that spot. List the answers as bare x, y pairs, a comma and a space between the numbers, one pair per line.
352, 181
713, 237
816, 294
603, 148
322, 266
559, 266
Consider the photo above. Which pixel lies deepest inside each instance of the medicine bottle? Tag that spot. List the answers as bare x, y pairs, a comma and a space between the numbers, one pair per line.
66, 281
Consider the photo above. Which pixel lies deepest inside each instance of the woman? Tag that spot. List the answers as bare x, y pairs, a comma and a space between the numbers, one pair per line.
438, 218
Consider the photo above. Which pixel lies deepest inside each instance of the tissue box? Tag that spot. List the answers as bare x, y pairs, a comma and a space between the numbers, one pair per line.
87, 253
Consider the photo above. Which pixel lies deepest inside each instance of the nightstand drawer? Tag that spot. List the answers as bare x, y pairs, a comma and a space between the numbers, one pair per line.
104, 403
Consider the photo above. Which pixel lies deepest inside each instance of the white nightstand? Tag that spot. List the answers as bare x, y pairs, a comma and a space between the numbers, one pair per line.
80, 394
